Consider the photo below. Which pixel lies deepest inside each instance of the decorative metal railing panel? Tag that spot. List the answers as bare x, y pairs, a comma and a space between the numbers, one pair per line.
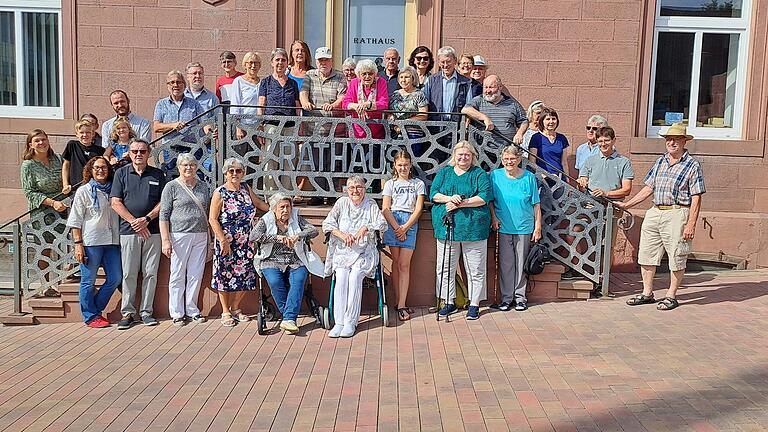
47, 251
280, 152
572, 221
198, 139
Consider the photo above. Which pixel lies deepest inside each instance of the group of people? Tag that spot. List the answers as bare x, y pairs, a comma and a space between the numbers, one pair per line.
126, 213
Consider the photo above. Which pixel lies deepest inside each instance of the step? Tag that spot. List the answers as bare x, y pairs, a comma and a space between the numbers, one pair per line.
576, 285
48, 312
555, 268
542, 291
45, 302
546, 277
12, 319
572, 294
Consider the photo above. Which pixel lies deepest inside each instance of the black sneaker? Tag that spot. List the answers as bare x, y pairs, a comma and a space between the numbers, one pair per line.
505, 306
521, 306
125, 322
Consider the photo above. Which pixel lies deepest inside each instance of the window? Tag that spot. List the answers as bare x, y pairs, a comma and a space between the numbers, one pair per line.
30, 59
699, 67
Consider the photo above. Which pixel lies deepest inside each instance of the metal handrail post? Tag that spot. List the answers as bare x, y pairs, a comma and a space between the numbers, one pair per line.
17, 268
223, 141
608, 250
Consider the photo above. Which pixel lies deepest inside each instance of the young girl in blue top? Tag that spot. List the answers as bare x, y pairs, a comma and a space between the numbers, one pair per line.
548, 144
401, 207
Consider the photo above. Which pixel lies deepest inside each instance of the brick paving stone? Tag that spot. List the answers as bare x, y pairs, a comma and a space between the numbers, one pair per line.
597, 365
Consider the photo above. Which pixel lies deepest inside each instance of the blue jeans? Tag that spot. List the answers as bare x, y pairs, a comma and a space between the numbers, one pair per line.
93, 302
288, 299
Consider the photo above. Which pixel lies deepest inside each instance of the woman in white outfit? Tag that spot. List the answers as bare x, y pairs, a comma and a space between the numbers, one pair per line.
184, 207
352, 253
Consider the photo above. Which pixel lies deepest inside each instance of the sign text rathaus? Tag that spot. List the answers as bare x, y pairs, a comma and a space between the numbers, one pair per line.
377, 41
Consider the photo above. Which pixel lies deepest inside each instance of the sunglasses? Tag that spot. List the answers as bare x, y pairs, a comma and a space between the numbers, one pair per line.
235, 171
592, 128
421, 58
142, 151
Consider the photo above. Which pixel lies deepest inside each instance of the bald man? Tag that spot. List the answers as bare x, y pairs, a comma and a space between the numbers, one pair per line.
498, 111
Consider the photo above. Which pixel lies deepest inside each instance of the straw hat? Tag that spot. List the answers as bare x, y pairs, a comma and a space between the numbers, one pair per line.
677, 129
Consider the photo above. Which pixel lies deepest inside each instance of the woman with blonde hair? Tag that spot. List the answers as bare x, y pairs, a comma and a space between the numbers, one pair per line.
120, 138
244, 90
460, 194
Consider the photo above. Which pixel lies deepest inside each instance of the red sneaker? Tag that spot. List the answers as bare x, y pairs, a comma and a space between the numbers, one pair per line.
103, 320
98, 322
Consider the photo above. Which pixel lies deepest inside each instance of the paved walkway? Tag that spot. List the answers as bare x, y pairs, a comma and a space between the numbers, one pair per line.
597, 365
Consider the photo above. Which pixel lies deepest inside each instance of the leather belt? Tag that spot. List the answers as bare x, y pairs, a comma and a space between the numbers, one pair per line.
671, 207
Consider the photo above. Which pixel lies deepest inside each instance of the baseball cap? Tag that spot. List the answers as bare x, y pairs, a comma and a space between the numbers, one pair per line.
323, 52
479, 61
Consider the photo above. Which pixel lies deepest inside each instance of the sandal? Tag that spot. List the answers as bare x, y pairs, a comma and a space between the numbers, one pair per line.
239, 316
668, 303
227, 320
403, 314
641, 299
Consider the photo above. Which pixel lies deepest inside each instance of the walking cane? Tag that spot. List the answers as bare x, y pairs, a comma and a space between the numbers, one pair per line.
448, 245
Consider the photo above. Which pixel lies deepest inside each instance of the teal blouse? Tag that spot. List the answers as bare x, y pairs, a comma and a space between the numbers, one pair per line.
471, 223
39, 181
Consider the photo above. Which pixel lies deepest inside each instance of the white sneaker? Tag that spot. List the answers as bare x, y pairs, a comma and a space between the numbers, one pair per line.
289, 326
349, 331
336, 331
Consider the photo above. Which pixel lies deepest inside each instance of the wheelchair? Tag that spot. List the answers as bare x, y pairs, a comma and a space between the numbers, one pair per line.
326, 314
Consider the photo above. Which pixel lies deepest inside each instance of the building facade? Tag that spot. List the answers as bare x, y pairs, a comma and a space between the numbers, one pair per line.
639, 63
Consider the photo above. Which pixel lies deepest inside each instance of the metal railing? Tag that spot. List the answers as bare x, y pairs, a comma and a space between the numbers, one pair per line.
280, 153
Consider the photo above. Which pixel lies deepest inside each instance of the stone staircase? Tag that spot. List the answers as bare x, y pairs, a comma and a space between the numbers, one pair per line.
548, 286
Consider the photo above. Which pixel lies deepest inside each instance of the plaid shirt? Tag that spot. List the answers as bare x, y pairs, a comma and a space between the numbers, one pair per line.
675, 184
322, 91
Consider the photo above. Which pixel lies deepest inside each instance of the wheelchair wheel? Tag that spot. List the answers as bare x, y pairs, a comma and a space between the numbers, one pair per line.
261, 324
325, 320
270, 313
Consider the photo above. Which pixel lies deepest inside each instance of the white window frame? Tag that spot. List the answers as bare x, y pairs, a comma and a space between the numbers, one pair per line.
20, 110
698, 26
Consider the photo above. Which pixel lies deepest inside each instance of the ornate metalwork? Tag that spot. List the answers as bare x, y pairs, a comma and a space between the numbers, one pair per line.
572, 222
193, 139
279, 152
46, 251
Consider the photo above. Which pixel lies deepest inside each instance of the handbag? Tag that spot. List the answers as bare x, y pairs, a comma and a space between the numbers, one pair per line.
209, 253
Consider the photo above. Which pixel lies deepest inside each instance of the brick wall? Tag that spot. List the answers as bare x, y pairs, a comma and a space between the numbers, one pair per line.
133, 45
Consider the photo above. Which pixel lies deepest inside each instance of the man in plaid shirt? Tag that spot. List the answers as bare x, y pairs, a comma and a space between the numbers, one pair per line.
676, 183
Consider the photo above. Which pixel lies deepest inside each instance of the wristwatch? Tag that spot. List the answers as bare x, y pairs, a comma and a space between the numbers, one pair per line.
148, 219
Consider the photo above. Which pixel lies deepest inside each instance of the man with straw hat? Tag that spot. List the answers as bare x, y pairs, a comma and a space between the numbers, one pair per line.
676, 183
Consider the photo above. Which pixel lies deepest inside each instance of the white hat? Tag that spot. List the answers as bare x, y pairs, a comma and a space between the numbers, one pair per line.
479, 61
323, 53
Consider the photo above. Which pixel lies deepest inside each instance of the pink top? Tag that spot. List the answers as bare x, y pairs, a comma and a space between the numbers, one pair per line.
382, 103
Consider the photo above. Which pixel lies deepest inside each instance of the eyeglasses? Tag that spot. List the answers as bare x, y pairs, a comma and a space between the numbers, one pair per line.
592, 128
100, 168
175, 82
367, 73
235, 170
142, 151
421, 58
356, 187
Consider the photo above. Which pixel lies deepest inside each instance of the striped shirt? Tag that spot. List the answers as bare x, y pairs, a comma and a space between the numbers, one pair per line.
507, 114
675, 183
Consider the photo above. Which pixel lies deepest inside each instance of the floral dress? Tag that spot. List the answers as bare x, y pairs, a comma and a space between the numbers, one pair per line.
235, 272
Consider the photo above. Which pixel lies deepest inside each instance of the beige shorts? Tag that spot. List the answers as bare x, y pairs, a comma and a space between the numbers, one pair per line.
663, 231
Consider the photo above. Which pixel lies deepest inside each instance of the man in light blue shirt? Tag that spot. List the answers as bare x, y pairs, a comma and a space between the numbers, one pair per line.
196, 90
590, 148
